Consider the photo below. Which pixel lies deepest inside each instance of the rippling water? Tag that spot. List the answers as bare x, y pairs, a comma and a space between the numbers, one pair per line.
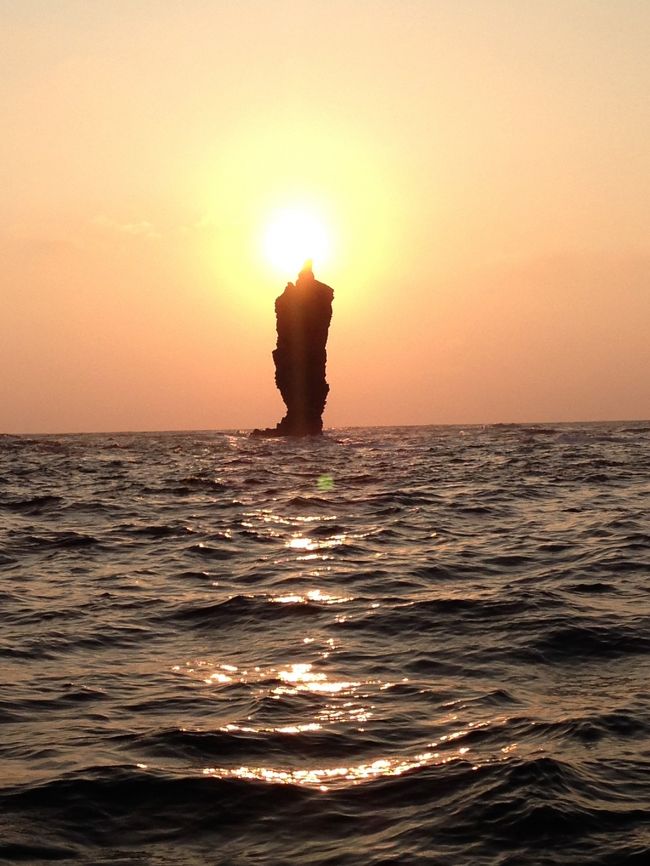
405, 646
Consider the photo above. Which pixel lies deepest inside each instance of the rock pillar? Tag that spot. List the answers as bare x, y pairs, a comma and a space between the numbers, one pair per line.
303, 313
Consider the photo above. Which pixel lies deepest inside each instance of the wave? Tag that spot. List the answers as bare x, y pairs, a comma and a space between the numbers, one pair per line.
442, 658
33, 505
513, 803
241, 608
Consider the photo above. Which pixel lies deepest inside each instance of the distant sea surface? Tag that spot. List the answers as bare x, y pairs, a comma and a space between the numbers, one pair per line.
390, 646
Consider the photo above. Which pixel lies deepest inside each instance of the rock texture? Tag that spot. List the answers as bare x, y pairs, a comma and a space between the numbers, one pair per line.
303, 313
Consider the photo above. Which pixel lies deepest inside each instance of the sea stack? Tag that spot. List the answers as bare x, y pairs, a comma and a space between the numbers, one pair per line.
303, 313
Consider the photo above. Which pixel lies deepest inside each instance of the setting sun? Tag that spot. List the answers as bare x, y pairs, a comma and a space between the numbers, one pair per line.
293, 235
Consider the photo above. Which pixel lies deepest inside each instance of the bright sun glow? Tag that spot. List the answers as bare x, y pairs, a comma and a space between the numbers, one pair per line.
292, 236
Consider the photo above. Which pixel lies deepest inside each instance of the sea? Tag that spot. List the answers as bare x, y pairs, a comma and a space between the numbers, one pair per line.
413, 645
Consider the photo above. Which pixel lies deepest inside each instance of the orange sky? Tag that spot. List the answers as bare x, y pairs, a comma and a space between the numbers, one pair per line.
483, 168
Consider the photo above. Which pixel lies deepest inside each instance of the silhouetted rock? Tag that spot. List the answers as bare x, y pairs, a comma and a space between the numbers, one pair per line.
303, 313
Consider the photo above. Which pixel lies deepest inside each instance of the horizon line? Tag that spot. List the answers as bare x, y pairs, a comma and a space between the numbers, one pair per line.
240, 429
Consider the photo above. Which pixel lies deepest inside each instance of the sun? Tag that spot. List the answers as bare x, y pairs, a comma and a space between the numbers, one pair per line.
292, 236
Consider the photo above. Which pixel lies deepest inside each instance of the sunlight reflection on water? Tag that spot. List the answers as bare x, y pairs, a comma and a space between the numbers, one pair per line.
312, 595
325, 778
340, 706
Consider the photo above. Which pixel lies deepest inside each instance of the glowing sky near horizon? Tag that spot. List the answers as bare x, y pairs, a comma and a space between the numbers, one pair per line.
482, 172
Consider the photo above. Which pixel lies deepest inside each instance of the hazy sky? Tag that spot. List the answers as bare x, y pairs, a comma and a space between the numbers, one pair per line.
483, 169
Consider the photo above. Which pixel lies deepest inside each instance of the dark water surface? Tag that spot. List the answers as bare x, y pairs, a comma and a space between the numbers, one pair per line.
208, 657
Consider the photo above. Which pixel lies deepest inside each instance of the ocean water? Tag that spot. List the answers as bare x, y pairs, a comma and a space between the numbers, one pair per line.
389, 646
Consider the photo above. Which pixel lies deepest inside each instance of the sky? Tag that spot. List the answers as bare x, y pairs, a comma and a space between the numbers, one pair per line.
481, 168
